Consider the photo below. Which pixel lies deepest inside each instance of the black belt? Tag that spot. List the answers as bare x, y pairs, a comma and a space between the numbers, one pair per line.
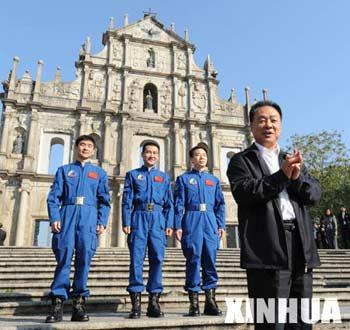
289, 224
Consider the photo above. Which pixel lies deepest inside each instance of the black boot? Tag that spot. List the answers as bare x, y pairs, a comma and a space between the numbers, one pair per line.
136, 305
79, 310
153, 309
194, 306
56, 313
211, 307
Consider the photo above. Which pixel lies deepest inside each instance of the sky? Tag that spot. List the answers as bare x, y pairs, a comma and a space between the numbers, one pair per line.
299, 50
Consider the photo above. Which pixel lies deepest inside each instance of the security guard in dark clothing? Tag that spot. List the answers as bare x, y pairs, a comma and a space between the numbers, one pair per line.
78, 205
200, 228
147, 212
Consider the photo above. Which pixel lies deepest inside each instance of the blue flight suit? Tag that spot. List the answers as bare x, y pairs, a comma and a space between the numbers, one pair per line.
147, 207
199, 212
79, 199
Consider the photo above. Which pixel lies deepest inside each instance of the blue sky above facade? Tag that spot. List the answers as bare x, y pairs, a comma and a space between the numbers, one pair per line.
298, 50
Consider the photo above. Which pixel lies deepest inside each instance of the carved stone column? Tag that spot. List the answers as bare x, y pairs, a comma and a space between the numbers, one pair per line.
126, 52
106, 143
12, 85
33, 142
193, 135
38, 81
86, 73
125, 147
5, 130
177, 150
22, 220
215, 152
82, 124
211, 104
109, 88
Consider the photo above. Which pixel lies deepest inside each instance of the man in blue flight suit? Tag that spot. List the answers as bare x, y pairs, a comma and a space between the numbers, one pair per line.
147, 212
200, 228
78, 205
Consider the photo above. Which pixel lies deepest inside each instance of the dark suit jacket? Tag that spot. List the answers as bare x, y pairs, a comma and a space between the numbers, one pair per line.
343, 222
262, 237
2, 236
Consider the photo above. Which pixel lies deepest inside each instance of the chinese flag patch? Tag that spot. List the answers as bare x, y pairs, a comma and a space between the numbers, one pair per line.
158, 178
209, 183
92, 175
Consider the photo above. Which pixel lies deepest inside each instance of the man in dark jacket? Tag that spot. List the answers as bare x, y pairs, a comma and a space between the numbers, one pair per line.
272, 190
344, 227
2, 235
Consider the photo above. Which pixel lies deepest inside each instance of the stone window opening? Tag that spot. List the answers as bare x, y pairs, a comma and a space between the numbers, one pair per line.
150, 98
56, 154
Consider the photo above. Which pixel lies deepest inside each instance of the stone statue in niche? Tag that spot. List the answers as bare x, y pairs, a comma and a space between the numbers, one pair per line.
18, 144
149, 101
182, 93
151, 60
181, 61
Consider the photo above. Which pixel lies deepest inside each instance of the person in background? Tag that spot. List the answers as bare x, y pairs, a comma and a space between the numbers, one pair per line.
2, 235
344, 227
330, 227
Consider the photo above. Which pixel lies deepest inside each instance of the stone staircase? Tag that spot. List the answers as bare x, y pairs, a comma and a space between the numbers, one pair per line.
26, 274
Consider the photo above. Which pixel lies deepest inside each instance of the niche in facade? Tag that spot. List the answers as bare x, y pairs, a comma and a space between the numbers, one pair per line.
151, 60
150, 98
18, 143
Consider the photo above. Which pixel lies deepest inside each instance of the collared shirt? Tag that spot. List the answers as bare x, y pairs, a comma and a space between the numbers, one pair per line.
270, 157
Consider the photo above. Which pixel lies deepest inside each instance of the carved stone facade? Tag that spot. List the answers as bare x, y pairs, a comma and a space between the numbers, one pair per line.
143, 85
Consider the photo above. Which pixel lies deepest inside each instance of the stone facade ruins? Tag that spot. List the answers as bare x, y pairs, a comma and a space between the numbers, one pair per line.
143, 85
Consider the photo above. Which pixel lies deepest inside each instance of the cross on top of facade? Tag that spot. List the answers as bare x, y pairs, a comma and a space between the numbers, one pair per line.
149, 13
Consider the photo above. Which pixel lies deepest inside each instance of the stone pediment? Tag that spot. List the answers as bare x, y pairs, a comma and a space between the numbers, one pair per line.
151, 29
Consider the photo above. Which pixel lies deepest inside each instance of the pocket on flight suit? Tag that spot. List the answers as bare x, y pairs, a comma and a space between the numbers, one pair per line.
187, 245
55, 242
162, 229
93, 239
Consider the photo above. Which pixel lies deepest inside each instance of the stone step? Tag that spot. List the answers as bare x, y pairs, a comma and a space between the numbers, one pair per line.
174, 319
123, 283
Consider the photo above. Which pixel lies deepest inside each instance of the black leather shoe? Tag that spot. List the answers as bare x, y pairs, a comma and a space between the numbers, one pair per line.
79, 310
194, 306
136, 305
211, 307
153, 309
56, 312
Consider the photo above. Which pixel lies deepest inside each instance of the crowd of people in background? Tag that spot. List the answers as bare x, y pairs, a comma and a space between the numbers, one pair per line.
332, 232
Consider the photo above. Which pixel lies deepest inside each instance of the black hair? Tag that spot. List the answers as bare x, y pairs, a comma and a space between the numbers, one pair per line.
266, 103
200, 145
85, 138
150, 143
